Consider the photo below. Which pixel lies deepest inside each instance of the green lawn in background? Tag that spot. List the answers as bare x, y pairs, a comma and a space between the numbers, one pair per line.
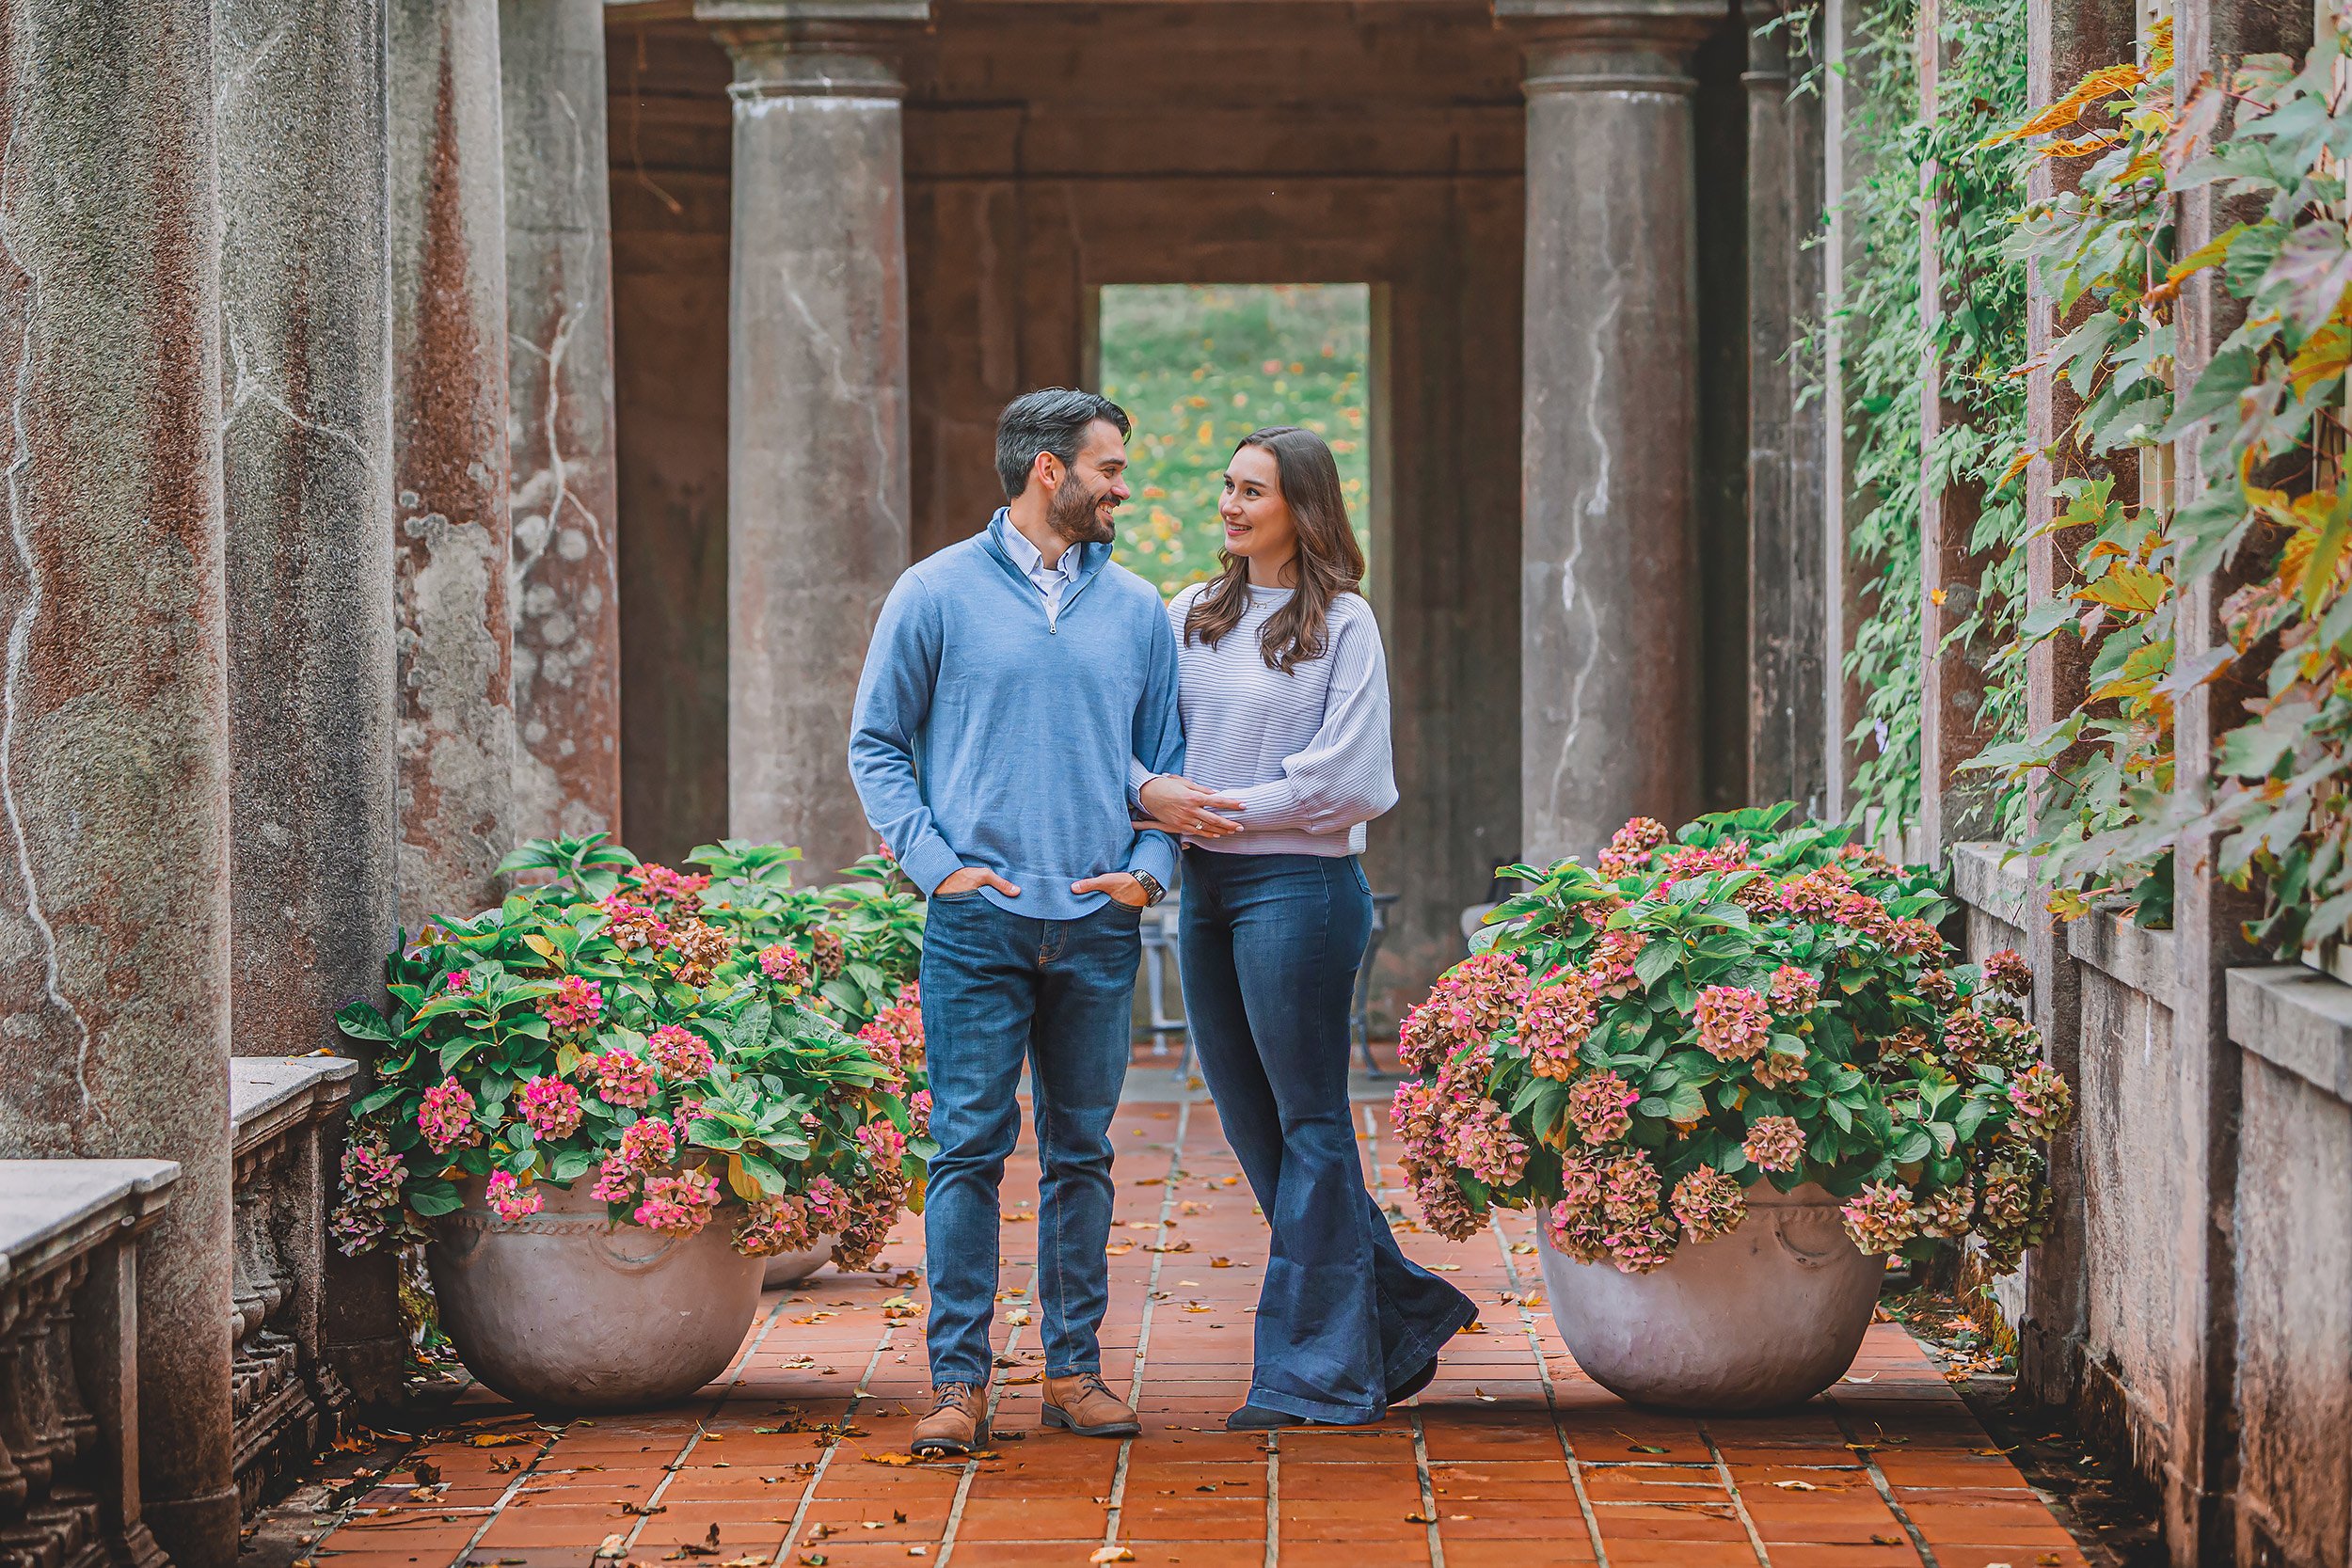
1198, 367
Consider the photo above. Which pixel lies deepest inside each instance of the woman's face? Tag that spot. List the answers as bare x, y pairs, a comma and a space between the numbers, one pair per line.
1258, 523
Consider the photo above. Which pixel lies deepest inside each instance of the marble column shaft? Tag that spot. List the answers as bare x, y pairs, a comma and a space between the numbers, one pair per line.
1609, 588
114, 717
559, 306
817, 413
458, 814
306, 455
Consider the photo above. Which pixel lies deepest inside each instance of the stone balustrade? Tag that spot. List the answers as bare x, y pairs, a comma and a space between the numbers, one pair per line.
287, 1400
68, 1372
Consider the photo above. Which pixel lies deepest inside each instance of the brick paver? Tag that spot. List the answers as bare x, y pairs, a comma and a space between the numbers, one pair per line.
797, 1456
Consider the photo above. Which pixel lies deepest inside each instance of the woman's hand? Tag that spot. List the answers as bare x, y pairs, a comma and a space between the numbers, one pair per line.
1177, 805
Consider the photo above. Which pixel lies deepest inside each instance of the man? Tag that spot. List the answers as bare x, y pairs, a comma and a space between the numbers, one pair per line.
1011, 677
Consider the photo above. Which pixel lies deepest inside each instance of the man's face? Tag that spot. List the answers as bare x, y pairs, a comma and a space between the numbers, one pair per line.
1091, 488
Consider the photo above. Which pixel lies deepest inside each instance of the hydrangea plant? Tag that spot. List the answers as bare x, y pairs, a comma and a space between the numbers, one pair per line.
1637, 1042
628, 1026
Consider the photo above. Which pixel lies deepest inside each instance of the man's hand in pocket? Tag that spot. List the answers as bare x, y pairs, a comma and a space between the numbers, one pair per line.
971, 879
1122, 888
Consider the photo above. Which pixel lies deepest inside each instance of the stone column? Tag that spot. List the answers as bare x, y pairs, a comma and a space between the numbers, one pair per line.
114, 717
2199, 1470
1954, 808
1608, 571
817, 402
1788, 620
306, 450
559, 324
449, 458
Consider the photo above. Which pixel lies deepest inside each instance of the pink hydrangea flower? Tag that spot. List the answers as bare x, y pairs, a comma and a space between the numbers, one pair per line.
648, 1144
615, 1181
680, 1053
1471, 1001
886, 1147
1693, 860
1914, 939
663, 882
784, 965
1777, 1070
445, 1116
456, 981
919, 1111
1554, 1024
1708, 1203
372, 1175
1881, 1217
1610, 967
1643, 1244
1775, 1144
1630, 846
1486, 1145
2041, 1095
577, 1004
1629, 1188
773, 1225
1600, 1105
2007, 972
829, 1203
623, 1078
1734, 1022
677, 1204
551, 1107
1794, 992
1413, 1113
510, 1199
631, 925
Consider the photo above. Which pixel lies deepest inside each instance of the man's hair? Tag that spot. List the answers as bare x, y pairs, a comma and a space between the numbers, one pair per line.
1052, 419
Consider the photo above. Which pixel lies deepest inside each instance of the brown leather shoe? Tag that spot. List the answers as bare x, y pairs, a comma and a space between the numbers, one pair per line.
958, 1422
1087, 1406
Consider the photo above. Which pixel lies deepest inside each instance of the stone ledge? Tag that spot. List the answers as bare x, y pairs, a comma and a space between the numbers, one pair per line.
2297, 1020
53, 1209
268, 1094
2132, 956
1984, 878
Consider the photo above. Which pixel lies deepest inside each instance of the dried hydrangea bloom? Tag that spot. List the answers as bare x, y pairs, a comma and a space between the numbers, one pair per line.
1466, 1006
1935, 988
1967, 1040
831, 951
1815, 895
616, 1182
1579, 1234
1776, 1068
633, 925
1630, 1188
2040, 1094
1609, 969
1794, 992
697, 949
648, 1144
1600, 1106
2012, 1204
1484, 1143
445, 1116
680, 1054
577, 1003
508, 1199
1905, 1045
1630, 846
1582, 1177
774, 1225
1643, 1244
372, 1176
551, 1107
2012, 1042
1914, 939
1946, 1213
1693, 860
623, 1078
1734, 1022
677, 1204
1443, 1209
1864, 861
1775, 1144
1554, 1024
2007, 972
1882, 1218
1708, 1203
919, 1112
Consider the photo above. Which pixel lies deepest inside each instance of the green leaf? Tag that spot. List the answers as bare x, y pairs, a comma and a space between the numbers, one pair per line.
363, 1023
432, 1194
1653, 962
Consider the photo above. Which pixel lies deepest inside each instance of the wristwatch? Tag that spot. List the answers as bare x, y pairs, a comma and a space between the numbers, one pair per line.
1153, 892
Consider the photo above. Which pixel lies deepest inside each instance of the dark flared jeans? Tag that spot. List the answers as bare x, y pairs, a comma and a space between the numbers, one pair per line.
1270, 944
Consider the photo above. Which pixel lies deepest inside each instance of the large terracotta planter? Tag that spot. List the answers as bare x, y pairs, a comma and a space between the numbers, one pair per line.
792, 1268
1767, 1316
564, 1310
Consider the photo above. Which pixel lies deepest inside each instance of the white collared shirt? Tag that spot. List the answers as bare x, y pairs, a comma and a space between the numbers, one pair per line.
1053, 582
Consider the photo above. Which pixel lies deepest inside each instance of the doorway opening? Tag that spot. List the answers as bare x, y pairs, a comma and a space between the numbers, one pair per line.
1200, 366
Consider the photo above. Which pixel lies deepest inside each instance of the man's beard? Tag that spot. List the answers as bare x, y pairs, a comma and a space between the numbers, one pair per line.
1072, 514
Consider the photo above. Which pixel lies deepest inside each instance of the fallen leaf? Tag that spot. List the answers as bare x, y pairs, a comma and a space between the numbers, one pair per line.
426, 1472
1018, 1218
1860, 1377
1148, 1182
1111, 1554
892, 1459
490, 1439
1447, 1268
1796, 1486
1119, 1249
1196, 1306
814, 1559
1992, 1452
1523, 1248
644, 1510
612, 1547
1221, 1262
1170, 1246
1480, 1393
1888, 1541
1018, 1317
1421, 1518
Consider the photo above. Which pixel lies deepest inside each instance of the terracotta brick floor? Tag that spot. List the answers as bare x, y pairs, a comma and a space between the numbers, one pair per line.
797, 1456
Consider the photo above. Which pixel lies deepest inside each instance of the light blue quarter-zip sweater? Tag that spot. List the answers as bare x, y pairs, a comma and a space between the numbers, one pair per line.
987, 734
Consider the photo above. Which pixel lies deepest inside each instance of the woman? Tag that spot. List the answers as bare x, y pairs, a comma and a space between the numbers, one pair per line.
1285, 703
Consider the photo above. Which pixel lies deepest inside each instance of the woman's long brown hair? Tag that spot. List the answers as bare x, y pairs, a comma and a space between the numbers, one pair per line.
1329, 562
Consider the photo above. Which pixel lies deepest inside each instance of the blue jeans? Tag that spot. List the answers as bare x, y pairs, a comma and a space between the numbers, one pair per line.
1270, 946
998, 986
